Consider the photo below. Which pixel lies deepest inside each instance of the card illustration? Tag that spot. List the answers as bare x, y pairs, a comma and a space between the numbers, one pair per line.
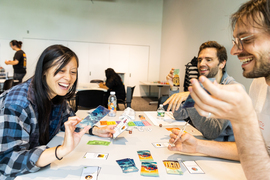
193, 167
149, 169
96, 155
121, 127
145, 156
172, 167
96, 142
160, 145
90, 172
127, 165
94, 117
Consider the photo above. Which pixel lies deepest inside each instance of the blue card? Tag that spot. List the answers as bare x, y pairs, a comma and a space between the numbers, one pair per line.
138, 123
94, 117
127, 165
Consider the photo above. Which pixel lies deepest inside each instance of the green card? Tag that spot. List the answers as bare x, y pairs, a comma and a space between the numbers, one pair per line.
95, 142
130, 123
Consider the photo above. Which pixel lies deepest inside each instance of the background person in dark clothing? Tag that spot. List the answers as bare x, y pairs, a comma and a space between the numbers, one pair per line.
19, 60
114, 83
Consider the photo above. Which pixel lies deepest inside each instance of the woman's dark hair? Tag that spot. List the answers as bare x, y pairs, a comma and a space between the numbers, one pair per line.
55, 55
16, 43
111, 74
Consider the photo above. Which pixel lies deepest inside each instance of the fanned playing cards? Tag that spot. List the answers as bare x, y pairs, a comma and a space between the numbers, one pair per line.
94, 117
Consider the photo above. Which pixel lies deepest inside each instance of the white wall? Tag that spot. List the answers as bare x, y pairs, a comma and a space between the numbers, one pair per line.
189, 23
131, 22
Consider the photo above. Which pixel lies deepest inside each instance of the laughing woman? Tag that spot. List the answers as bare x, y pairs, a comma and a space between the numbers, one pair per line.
32, 113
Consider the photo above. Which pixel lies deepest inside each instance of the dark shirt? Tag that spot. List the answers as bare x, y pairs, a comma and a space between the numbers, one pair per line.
21, 66
115, 84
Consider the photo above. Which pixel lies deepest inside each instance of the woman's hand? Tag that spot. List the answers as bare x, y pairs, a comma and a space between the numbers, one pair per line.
106, 131
72, 138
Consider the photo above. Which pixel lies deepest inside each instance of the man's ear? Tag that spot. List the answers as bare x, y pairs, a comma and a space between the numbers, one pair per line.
222, 65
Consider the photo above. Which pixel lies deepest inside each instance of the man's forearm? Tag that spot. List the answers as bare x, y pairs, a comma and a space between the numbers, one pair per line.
252, 149
225, 150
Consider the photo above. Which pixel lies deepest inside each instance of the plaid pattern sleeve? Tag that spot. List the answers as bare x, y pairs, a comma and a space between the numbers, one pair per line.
67, 112
19, 137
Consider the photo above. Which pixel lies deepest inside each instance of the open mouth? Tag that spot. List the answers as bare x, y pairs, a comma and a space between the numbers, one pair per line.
247, 60
203, 70
62, 85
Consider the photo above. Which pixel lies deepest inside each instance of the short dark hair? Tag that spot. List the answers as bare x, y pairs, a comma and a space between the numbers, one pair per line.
55, 55
221, 51
257, 13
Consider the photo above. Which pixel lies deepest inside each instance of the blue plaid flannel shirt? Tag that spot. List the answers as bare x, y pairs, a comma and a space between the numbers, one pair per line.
19, 131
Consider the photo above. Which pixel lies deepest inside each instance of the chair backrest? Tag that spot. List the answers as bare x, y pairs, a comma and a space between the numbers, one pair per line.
90, 99
8, 84
96, 81
191, 72
130, 91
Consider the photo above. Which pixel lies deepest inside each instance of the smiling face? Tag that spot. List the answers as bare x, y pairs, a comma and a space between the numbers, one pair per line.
255, 52
208, 63
60, 83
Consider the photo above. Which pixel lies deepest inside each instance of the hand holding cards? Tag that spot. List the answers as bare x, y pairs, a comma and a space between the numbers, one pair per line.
94, 117
121, 127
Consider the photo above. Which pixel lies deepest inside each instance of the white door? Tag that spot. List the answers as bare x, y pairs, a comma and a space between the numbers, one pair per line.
138, 67
99, 61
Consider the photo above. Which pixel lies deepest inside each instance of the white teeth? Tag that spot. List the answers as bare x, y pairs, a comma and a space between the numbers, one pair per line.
244, 61
65, 85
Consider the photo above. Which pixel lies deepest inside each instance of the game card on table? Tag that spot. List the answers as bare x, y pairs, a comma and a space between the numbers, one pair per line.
145, 156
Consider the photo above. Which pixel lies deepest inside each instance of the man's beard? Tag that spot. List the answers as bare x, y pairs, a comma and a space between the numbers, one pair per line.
212, 72
263, 70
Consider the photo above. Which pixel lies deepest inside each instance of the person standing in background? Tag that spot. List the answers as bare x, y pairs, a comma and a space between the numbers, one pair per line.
19, 60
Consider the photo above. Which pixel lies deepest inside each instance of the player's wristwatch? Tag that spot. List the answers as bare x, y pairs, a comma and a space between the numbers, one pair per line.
91, 130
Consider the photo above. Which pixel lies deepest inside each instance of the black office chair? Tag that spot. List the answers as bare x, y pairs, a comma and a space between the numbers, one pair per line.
191, 72
130, 91
96, 81
90, 99
7, 85
129, 96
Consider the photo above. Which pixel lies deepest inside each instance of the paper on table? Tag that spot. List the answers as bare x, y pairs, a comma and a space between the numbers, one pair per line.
167, 121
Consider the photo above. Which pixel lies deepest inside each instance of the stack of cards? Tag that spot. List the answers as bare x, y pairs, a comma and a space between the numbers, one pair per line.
90, 172
172, 167
127, 165
148, 167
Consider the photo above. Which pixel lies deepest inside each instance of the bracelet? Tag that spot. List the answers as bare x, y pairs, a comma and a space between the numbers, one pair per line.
91, 130
56, 153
